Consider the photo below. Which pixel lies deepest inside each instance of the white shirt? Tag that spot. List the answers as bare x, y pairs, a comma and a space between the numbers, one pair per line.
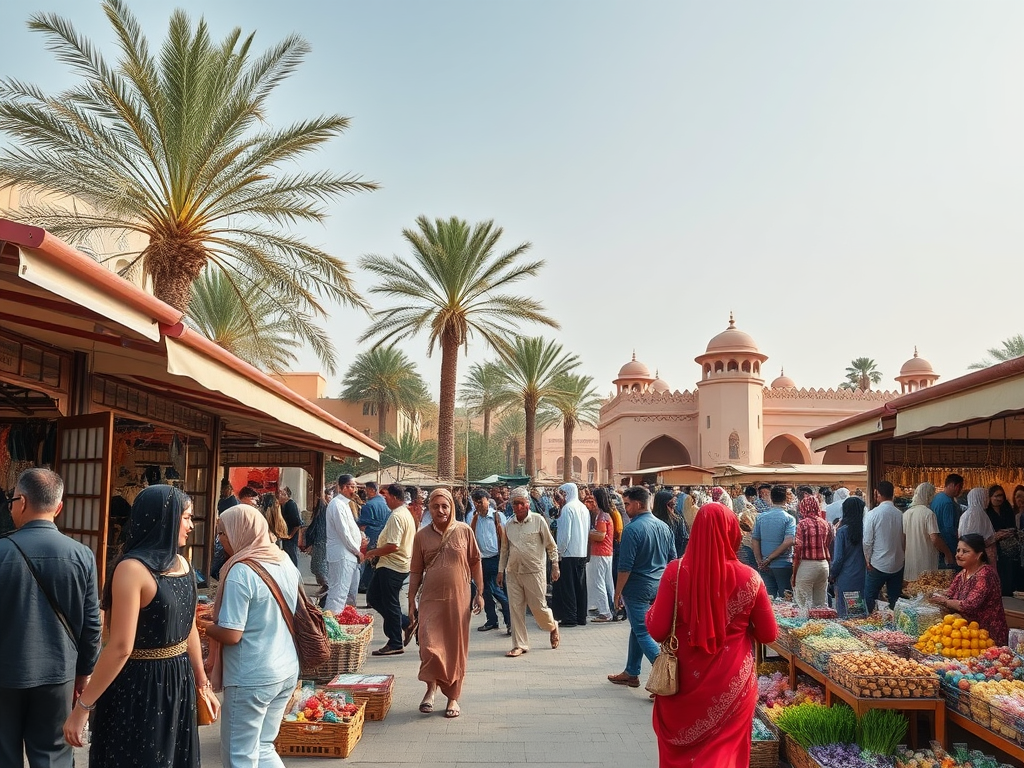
919, 523
883, 538
343, 536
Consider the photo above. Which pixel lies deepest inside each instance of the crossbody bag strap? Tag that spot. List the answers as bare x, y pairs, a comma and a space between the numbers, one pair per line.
673, 641
275, 590
49, 598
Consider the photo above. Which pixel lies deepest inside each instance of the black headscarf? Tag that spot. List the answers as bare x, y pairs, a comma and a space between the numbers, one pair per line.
152, 530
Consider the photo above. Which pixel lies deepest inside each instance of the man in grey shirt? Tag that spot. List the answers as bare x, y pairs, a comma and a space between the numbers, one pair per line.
47, 660
885, 546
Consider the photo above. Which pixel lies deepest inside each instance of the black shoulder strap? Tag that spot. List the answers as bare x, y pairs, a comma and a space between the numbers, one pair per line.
49, 598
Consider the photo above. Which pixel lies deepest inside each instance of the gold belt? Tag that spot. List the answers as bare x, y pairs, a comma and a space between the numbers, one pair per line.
167, 652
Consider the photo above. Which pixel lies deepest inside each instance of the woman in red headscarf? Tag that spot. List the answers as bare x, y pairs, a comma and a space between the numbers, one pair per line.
723, 608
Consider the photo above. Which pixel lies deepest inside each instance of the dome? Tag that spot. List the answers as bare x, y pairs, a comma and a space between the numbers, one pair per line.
659, 384
634, 369
783, 382
732, 340
916, 366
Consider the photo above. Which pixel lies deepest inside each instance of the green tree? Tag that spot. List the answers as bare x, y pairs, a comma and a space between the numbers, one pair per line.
450, 287
387, 378
1012, 347
486, 457
534, 368
407, 451
575, 401
175, 146
484, 391
861, 374
509, 433
251, 327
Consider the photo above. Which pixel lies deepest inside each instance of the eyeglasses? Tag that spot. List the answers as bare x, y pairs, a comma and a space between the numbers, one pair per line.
13, 498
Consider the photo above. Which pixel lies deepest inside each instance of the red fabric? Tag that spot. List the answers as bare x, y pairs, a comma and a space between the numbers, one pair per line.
714, 539
707, 723
814, 539
981, 600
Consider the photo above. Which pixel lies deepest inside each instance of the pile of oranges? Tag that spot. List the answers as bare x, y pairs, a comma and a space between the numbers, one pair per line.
955, 638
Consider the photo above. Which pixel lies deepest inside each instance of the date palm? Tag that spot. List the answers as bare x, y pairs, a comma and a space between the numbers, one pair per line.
861, 374
575, 402
252, 327
173, 145
535, 368
386, 377
1012, 347
484, 391
510, 432
407, 451
449, 287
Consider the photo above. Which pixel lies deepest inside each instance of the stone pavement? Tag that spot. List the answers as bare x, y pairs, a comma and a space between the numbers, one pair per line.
548, 707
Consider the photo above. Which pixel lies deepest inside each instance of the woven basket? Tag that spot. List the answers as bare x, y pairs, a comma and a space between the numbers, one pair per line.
765, 754
1006, 725
319, 739
346, 655
796, 755
376, 697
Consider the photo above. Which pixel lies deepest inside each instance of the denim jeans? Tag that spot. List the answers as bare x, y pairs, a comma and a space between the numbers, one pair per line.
777, 580
873, 581
746, 556
492, 592
384, 596
250, 719
640, 641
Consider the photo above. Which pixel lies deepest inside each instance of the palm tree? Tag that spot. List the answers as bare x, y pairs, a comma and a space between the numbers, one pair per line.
861, 374
484, 391
574, 402
534, 369
510, 432
407, 451
252, 327
449, 287
175, 147
1012, 347
385, 377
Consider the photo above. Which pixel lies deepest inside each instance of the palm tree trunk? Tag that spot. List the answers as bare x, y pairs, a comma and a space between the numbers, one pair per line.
515, 455
446, 409
531, 426
568, 427
487, 425
382, 421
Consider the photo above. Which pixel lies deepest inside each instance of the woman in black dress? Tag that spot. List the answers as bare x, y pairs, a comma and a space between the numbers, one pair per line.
142, 694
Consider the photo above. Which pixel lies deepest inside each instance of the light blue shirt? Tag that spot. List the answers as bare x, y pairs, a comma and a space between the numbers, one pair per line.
947, 512
266, 653
772, 528
647, 546
486, 532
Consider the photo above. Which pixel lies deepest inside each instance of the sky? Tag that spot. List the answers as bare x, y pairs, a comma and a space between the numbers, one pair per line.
845, 177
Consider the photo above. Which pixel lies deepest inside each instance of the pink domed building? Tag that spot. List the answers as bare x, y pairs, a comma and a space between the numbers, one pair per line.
732, 419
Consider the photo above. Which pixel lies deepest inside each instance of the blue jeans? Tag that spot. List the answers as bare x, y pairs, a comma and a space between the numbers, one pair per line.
250, 719
746, 556
640, 641
777, 580
492, 592
873, 581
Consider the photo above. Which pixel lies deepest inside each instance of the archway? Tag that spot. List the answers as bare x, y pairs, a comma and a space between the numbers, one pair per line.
786, 449
577, 466
591, 470
559, 466
663, 451
609, 467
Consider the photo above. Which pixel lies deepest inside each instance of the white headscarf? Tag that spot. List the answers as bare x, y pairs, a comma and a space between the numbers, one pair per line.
975, 519
923, 495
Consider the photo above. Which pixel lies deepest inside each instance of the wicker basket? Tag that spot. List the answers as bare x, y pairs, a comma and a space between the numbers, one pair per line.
923, 686
346, 655
765, 754
796, 755
1006, 725
376, 691
957, 700
319, 739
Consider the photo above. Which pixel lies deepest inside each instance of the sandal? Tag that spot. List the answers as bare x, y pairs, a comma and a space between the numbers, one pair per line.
554, 637
426, 707
452, 711
632, 681
515, 653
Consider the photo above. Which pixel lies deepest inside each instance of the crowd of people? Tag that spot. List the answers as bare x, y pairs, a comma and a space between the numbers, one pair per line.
691, 567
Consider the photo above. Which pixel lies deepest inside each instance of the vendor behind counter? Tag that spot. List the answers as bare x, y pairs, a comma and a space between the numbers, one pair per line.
976, 593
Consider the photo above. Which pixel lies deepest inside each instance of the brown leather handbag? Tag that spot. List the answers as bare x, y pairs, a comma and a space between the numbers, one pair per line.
204, 715
306, 622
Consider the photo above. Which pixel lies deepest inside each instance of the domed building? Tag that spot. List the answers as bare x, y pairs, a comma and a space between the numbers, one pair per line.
732, 418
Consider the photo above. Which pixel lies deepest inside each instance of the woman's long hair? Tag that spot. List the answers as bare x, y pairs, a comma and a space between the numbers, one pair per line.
664, 509
853, 519
601, 499
271, 509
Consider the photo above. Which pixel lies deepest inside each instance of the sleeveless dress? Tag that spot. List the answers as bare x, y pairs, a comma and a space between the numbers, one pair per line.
147, 716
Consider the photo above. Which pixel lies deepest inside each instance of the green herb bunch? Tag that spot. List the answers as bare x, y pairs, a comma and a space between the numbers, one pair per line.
880, 730
813, 725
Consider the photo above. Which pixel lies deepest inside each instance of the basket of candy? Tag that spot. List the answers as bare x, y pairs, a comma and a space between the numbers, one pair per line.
883, 675
891, 640
764, 746
319, 723
375, 691
350, 635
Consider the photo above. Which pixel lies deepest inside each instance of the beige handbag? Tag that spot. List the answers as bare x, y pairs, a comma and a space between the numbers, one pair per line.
664, 677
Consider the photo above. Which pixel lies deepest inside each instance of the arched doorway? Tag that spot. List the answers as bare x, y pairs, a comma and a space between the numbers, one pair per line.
663, 451
559, 466
591, 470
785, 449
609, 467
577, 467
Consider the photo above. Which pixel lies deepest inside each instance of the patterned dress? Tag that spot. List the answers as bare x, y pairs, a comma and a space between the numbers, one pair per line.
147, 716
981, 600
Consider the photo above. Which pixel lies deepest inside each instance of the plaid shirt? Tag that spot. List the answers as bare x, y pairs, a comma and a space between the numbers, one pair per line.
813, 539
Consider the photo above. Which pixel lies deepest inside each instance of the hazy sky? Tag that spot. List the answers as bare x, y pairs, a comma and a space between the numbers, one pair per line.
847, 177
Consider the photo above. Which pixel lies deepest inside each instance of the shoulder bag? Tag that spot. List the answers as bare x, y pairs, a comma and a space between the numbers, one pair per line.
305, 622
664, 677
49, 598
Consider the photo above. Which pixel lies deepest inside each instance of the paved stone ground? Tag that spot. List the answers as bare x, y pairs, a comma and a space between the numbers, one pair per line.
548, 707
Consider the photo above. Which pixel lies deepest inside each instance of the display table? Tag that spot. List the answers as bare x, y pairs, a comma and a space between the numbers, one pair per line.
1014, 610
785, 654
1013, 749
861, 704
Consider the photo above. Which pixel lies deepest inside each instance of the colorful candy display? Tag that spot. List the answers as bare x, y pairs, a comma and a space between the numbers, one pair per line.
954, 638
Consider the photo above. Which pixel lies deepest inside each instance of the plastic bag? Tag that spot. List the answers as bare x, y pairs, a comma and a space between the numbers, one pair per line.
915, 615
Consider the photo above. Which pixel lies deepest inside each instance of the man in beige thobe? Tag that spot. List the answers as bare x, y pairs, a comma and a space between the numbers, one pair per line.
525, 549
